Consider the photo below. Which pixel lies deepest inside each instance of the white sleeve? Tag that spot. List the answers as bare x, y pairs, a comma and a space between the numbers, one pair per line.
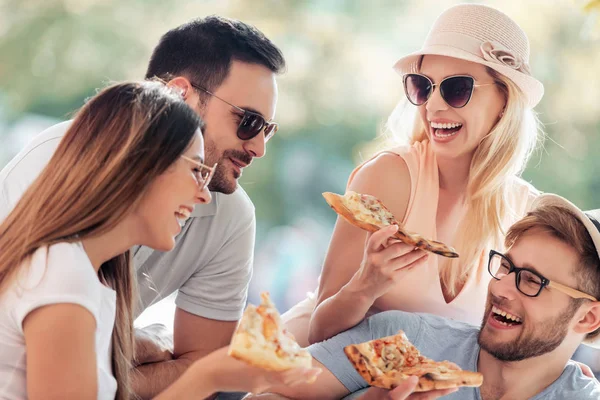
26, 166
60, 274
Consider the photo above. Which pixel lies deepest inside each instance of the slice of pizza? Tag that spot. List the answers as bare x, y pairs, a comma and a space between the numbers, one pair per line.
261, 340
389, 361
369, 213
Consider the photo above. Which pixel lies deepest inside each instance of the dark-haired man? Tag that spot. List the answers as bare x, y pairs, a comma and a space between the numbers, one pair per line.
226, 71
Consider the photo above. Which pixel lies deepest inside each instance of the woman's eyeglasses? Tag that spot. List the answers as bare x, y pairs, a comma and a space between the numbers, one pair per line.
203, 173
528, 282
251, 124
455, 90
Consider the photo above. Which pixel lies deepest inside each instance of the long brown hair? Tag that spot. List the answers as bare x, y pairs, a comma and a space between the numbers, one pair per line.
119, 142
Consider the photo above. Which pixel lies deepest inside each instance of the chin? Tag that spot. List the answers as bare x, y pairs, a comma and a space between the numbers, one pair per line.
224, 186
163, 244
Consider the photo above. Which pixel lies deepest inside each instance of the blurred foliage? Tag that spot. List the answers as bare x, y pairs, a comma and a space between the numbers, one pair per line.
334, 98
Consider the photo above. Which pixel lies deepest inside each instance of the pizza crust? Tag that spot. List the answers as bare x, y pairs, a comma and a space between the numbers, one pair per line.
339, 205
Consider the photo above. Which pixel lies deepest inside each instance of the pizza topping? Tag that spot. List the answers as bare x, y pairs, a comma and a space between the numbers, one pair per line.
392, 359
265, 327
368, 213
371, 209
261, 340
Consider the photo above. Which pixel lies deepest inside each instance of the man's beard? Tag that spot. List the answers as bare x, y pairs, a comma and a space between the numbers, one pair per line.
222, 181
539, 340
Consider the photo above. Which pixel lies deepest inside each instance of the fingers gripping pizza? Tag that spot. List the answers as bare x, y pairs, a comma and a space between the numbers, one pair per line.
369, 213
261, 340
389, 361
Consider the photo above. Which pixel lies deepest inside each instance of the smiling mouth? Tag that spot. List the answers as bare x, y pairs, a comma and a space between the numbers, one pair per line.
238, 164
182, 215
505, 318
444, 130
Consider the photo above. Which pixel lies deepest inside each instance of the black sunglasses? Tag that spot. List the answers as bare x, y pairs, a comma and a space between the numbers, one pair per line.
455, 90
251, 123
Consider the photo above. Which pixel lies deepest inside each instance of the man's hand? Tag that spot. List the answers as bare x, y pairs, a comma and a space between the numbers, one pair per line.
405, 392
164, 358
153, 343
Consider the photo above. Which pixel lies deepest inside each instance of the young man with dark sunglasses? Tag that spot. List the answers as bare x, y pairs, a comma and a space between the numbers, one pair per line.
541, 305
226, 71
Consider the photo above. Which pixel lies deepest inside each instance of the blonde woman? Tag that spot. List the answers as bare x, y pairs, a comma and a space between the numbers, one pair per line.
457, 182
128, 171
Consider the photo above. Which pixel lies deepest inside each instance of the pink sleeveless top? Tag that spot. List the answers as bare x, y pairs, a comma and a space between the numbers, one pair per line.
420, 289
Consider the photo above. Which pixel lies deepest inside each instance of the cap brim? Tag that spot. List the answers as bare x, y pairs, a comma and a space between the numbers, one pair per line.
531, 87
548, 199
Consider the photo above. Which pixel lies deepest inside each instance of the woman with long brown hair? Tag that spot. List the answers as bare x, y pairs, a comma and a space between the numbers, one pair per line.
129, 171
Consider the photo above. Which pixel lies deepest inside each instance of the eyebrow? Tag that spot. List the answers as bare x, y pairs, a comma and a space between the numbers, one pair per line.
452, 75
526, 265
198, 158
252, 110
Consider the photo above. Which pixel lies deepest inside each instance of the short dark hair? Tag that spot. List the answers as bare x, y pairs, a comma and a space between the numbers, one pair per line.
202, 50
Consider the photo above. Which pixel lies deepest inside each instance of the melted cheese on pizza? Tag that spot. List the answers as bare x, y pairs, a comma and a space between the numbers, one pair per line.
396, 356
370, 209
392, 353
264, 325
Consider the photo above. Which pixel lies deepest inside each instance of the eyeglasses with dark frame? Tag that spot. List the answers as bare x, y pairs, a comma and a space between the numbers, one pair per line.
251, 123
203, 178
456, 90
528, 282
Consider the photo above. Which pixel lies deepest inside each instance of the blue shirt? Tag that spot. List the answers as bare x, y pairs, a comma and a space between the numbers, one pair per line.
439, 339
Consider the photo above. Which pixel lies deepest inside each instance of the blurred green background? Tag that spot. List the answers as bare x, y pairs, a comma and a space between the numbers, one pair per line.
334, 98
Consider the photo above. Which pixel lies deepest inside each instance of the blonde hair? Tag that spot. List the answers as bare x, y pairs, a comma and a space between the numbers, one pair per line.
119, 142
501, 155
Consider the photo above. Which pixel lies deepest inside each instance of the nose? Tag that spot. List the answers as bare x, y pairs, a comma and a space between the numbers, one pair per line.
436, 102
256, 147
505, 288
203, 196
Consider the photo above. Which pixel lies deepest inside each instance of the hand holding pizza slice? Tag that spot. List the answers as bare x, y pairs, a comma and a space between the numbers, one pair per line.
369, 213
389, 361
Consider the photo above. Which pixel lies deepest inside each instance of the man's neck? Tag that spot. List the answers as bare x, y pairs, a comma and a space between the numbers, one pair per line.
520, 379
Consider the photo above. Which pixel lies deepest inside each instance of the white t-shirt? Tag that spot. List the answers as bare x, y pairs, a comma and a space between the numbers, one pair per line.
61, 273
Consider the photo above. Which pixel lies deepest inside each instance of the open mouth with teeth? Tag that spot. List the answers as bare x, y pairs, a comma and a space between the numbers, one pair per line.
446, 129
182, 215
505, 318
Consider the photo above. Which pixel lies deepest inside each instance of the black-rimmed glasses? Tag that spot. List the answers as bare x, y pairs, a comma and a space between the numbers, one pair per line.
528, 282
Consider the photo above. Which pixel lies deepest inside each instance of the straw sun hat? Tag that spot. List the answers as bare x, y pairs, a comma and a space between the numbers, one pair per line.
483, 35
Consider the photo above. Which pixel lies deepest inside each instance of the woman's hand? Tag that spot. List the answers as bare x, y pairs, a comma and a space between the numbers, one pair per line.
405, 392
385, 261
257, 380
218, 372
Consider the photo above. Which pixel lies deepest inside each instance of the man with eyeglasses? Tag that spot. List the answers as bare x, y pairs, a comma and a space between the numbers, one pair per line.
541, 305
226, 71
